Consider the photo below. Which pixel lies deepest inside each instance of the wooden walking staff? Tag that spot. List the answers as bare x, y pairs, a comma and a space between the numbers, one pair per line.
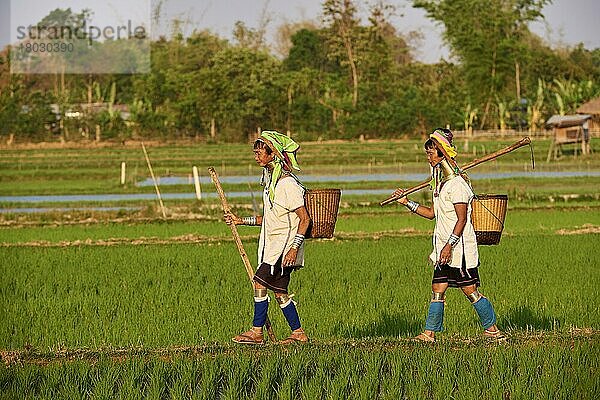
523, 142
238, 241
162, 206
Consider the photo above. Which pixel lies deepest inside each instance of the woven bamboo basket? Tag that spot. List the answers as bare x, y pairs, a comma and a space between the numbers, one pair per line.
489, 211
322, 206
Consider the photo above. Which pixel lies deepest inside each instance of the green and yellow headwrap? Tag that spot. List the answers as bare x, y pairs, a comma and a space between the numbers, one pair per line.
444, 138
285, 155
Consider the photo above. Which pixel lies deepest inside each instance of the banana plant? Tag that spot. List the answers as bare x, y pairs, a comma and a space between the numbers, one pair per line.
503, 114
469, 117
534, 111
570, 94
560, 103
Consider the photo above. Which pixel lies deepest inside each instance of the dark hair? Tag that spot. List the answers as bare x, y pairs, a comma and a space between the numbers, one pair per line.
259, 144
429, 144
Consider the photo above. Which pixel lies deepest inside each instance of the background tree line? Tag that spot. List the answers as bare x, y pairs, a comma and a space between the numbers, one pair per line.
342, 78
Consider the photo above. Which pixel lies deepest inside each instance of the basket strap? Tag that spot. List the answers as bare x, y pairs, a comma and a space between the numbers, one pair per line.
298, 180
299, 183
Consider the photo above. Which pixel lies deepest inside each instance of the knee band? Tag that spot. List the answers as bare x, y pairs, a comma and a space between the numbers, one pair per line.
260, 295
438, 297
283, 300
485, 311
474, 297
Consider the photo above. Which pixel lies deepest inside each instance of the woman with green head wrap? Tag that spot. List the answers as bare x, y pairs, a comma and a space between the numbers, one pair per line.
284, 224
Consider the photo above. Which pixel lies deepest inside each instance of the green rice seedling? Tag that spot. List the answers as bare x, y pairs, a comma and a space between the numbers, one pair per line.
528, 370
343, 379
104, 381
184, 382
209, 379
26, 381
61, 381
316, 382
51, 385
398, 372
158, 379
239, 377
370, 371
268, 373
132, 380
293, 375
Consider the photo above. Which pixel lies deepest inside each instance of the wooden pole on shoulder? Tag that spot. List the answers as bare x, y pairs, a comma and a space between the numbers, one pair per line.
238, 241
523, 142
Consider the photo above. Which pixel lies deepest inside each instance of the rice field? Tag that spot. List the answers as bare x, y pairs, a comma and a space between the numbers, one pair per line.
343, 370
98, 305
76, 170
186, 294
155, 320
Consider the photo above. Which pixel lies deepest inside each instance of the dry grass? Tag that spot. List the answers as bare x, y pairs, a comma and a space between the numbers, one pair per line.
30, 355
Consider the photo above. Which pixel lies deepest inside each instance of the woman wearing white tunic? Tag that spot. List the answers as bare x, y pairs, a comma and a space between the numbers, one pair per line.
454, 254
283, 226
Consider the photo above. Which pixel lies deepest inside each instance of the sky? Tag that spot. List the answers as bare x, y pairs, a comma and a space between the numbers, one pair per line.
568, 22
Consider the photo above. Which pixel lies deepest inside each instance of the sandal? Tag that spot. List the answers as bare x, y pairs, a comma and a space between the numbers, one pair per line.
250, 337
425, 338
297, 337
496, 335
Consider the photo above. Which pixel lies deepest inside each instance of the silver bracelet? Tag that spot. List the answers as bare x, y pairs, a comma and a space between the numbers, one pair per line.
412, 206
249, 220
453, 240
297, 242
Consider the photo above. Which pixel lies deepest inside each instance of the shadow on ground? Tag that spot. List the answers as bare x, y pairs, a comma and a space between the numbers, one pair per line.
389, 325
524, 318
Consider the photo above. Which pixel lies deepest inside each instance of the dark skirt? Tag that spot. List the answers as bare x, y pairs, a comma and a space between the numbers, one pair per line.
274, 277
456, 277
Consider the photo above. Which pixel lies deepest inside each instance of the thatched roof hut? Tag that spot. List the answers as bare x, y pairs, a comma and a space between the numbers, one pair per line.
569, 129
592, 108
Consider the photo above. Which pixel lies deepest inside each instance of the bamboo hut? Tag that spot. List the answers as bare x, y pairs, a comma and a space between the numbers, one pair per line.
568, 129
592, 108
